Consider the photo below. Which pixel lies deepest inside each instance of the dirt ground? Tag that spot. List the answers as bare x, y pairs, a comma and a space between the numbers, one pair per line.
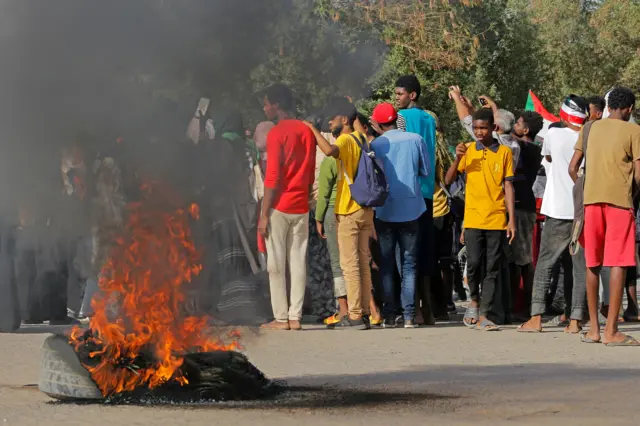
447, 374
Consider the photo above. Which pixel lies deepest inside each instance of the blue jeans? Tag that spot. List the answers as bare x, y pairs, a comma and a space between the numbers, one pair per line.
406, 236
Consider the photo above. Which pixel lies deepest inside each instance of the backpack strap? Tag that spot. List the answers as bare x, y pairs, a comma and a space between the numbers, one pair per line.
445, 190
362, 144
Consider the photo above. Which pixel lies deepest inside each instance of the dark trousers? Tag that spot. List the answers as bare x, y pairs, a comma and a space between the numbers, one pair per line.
406, 236
9, 306
485, 258
426, 244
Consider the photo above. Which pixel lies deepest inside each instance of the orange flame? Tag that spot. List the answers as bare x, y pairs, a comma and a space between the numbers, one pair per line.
142, 280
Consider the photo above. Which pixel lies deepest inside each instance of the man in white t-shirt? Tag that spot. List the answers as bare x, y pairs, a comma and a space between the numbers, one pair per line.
557, 206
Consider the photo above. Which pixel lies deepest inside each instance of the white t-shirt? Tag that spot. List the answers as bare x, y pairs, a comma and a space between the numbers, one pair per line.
558, 195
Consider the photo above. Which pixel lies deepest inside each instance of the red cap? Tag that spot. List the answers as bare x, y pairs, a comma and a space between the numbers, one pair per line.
384, 113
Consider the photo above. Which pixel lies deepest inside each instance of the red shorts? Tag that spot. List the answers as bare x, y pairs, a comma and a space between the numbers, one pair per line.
609, 236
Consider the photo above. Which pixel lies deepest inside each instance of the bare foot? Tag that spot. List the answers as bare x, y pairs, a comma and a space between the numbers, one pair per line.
295, 325
276, 325
534, 324
574, 327
613, 338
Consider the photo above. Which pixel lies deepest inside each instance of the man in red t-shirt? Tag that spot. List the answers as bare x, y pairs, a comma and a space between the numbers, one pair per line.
284, 219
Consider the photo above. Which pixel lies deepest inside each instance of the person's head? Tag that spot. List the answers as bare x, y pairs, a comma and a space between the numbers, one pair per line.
504, 121
483, 126
597, 105
342, 114
278, 100
316, 120
228, 121
528, 125
407, 91
368, 128
621, 102
574, 111
385, 114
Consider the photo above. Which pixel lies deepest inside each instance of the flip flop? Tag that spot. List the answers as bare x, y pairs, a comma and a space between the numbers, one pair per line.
471, 314
375, 323
585, 339
486, 325
520, 329
556, 322
628, 341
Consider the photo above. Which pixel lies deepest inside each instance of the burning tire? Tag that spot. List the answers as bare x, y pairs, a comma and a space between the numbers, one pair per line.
61, 374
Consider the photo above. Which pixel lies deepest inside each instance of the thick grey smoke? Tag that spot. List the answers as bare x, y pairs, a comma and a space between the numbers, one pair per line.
96, 70
93, 71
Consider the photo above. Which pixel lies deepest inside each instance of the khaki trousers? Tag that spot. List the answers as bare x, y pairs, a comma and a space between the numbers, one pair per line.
354, 231
287, 243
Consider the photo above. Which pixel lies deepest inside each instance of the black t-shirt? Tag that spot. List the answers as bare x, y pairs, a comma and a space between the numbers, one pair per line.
526, 173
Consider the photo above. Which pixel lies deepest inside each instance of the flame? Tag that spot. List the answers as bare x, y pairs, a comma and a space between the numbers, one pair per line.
142, 280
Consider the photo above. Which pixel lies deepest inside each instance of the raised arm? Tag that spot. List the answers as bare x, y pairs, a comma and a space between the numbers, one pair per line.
463, 106
452, 173
328, 149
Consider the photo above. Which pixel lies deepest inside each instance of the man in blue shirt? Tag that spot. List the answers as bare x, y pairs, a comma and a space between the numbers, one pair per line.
404, 159
414, 119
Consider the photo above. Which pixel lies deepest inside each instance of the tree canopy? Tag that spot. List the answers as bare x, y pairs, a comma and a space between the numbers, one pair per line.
150, 59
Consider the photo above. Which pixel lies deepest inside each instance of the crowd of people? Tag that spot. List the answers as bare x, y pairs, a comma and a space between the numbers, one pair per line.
373, 221
393, 241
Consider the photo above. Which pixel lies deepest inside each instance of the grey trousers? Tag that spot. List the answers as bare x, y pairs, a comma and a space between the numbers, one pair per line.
331, 232
556, 236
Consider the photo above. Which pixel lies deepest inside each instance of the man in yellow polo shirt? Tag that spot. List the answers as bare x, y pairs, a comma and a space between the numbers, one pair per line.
355, 223
489, 196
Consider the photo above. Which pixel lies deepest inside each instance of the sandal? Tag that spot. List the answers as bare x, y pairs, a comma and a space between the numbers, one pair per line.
585, 339
333, 319
557, 321
628, 341
521, 329
375, 323
471, 317
487, 325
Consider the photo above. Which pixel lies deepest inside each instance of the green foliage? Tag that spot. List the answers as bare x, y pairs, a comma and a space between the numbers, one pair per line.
230, 51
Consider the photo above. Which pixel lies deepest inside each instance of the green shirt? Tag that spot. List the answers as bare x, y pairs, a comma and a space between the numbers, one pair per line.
326, 187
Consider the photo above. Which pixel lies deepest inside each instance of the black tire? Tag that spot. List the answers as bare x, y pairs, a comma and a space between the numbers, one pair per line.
61, 374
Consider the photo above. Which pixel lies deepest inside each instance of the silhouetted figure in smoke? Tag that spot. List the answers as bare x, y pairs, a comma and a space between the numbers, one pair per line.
220, 185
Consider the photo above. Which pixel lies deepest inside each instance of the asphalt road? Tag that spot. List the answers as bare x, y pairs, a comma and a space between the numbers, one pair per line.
446, 374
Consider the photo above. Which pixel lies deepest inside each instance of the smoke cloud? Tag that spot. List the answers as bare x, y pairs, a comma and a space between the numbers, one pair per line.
95, 71
98, 70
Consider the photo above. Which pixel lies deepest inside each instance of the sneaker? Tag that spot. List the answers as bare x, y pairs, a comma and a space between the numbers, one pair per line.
399, 319
451, 308
389, 323
343, 324
362, 324
410, 324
